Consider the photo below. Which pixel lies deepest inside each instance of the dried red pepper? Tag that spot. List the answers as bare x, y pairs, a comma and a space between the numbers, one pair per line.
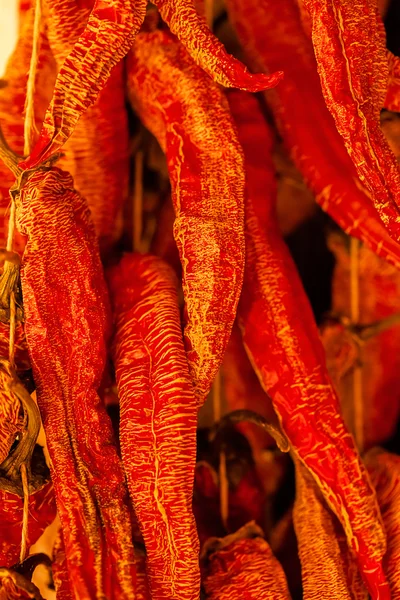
59, 570
242, 565
158, 421
66, 309
187, 113
392, 101
384, 471
352, 64
296, 377
142, 584
97, 153
108, 36
328, 567
272, 34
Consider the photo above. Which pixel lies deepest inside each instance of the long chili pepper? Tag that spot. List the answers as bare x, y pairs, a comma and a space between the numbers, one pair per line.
108, 36
328, 567
158, 421
272, 34
384, 471
354, 79
187, 113
392, 100
296, 377
67, 319
242, 565
97, 153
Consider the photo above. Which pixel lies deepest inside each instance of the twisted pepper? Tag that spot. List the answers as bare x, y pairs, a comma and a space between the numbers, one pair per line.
272, 34
97, 153
158, 421
353, 69
188, 114
108, 36
296, 378
67, 321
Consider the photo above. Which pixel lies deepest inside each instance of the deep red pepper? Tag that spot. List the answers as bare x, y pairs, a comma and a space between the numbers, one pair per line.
384, 471
97, 155
67, 322
242, 565
296, 377
272, 36
392, 100
158, 421
352, 64
42, 511
187, 113
107, 37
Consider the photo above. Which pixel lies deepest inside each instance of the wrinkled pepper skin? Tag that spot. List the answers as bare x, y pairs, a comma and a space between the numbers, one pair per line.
296, 378
242, 565
272, 34
384, 471
42, 511
67, 324
392, 100
158, 421
108, 36
188, 115
329, 569
352, 64
96, 155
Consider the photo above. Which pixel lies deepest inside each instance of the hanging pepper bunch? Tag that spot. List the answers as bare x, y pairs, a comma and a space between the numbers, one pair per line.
184, 317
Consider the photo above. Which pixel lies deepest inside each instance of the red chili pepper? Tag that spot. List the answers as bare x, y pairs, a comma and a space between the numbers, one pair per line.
384, 471
97, 154
158, 421
353, 69
187, 113
142, 584
328, 567
272, 34
392, 101
59, 570
242, 565
67, 320
108, 36
42, 511
296, 376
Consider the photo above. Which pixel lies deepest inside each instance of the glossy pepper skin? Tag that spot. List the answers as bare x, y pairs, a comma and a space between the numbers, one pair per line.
67, 323
296, 378
106, 39
158, 421
272, 34
242, 565
188, 115
353, 68
97, 154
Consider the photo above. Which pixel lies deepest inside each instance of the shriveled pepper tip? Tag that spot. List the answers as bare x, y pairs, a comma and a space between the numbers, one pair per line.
261, 81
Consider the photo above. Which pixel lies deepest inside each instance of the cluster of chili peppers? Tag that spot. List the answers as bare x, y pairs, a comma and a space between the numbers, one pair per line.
111, 110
